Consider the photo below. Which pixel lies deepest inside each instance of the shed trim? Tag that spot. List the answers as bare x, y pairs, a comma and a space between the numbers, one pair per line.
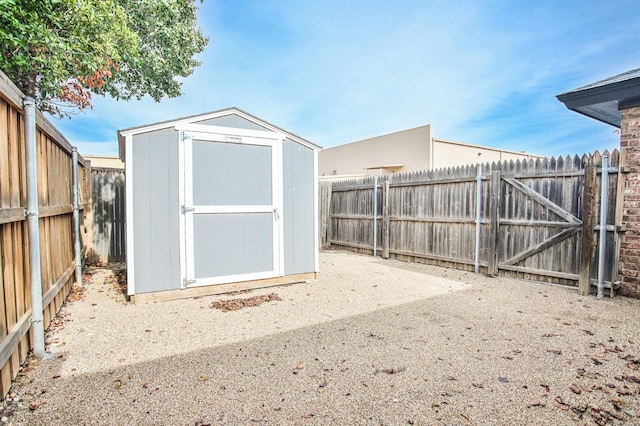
253, 137
204, 129
219, 134
122, 134
316, 219
166, 295
128, 167
279, 193
182, 226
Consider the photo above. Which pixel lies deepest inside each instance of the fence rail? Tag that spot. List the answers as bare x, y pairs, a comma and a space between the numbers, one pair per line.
533, 219
55, 198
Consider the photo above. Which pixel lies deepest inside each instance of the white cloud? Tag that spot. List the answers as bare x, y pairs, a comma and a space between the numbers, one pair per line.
335, 71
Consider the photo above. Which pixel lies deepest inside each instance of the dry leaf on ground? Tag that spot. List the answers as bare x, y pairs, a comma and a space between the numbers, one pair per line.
235, 304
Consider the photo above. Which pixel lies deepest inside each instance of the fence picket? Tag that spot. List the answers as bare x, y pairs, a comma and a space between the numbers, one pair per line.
534, 217
54, 196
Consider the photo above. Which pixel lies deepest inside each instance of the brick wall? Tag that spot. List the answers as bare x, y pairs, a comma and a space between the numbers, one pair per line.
629, 266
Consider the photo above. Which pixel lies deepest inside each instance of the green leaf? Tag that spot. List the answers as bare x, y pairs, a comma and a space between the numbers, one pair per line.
61, 50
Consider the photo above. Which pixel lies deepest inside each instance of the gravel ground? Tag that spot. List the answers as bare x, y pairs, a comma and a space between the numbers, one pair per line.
371, 342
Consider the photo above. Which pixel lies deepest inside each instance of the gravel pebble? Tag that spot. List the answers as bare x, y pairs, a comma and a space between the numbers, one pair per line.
371, 341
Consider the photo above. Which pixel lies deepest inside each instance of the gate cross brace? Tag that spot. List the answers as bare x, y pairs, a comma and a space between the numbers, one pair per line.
542, 246
544, 201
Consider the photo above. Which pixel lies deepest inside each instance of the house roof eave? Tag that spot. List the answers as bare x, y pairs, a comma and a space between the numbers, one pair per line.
601, 100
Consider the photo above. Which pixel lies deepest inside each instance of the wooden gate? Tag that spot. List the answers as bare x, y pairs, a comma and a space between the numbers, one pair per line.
539, 220
544, 221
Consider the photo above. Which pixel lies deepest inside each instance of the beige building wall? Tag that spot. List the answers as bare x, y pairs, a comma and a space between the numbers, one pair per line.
405, 151
452, 154
104, 161
395, 152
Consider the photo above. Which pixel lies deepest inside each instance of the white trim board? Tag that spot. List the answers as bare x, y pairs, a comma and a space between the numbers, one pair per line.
207, 129
182, 202
274, 142
129, 206
122, 134
316, 221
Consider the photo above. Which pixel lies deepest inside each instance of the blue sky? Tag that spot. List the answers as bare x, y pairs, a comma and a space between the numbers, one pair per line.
482, 72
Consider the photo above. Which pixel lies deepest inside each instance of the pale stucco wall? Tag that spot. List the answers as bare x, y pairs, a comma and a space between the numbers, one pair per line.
451, 154
104, 161
408, 148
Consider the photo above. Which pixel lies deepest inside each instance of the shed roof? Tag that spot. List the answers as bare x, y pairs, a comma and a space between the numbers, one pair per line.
205, 116
603, 99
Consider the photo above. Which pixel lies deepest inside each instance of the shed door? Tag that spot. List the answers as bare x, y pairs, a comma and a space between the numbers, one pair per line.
232, 208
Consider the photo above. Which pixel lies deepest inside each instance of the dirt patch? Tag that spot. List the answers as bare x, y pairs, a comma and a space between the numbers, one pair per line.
248, 302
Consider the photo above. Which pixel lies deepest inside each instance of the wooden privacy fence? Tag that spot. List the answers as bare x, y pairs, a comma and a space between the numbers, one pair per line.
535, 220
55, 199
107, 230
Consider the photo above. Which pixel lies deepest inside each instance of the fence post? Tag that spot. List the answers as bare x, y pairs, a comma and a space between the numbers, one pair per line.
494, 224
385, 221
617, 221
33, 223
328, 219
604, 206
76, 217
588, 220
375, 216
478, 215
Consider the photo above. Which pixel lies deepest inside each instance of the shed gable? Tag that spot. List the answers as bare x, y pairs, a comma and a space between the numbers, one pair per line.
232, 120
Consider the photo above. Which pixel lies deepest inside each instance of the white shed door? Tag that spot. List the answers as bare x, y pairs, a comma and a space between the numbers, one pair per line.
232, 207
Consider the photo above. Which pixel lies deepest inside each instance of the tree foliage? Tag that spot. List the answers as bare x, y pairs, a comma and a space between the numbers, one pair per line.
60, 51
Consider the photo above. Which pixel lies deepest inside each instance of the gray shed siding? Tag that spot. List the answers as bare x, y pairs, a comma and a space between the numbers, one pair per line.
298, 214
226, 174
225, 244
233, 121
156, 217
156, 211
231, 174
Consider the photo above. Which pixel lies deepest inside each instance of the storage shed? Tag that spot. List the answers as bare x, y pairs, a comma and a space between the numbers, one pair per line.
218, 202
